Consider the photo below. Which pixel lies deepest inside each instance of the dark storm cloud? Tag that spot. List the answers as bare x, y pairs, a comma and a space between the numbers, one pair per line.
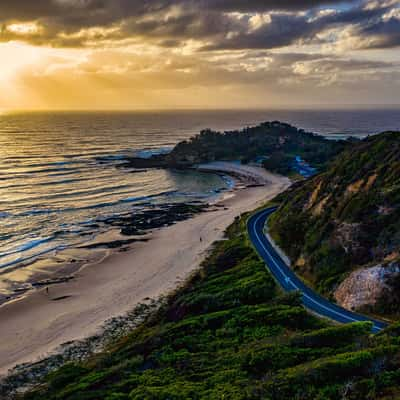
187, 25
116, 9
282, 30
171, 22
264, 5
286, 29
384, 34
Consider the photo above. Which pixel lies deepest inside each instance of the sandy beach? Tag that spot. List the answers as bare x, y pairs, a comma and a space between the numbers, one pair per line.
34, 326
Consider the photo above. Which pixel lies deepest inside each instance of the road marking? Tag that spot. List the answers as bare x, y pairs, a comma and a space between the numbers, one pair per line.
287, 279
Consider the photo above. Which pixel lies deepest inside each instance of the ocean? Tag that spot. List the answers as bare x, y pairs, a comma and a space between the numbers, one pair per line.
60, 174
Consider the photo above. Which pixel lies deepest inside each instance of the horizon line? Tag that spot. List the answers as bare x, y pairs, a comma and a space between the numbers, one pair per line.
291, 107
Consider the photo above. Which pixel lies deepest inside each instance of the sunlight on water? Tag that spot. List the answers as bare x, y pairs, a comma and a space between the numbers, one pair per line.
59, 172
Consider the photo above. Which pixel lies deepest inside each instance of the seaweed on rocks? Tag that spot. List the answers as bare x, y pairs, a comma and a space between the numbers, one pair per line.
154, 217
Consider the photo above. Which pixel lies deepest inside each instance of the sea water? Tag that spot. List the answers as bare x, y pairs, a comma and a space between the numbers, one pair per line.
61, 175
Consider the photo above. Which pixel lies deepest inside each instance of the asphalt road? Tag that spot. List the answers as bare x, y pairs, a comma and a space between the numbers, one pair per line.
289, 280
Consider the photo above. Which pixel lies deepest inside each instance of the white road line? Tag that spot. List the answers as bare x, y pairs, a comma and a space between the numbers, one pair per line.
293, 284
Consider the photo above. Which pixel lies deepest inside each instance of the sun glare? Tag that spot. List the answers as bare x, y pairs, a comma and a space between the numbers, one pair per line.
15, 57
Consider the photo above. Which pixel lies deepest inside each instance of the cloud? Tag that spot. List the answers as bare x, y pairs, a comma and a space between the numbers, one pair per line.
251, 6
281, 30
381, 34
94, 11
117, 50
113, 78
218, 24
284, 29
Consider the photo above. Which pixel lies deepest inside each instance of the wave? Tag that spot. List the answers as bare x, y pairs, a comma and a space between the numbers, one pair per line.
228, 181
135, 199
111, 157
66, 194
196, 194
27, 246
22, 260
11, 172
42, 164
48, 183
147, 153
54, 202
35, 212
62, 173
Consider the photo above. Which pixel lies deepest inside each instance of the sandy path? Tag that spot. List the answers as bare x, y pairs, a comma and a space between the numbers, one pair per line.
34, 326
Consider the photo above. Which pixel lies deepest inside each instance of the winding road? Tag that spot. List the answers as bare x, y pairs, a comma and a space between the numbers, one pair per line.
289, 280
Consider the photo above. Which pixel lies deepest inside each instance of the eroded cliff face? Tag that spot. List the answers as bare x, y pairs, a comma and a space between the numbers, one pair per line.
348, 219
367, 288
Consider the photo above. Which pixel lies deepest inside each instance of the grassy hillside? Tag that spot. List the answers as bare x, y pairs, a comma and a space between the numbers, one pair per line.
347, 217
278, 141
231, 334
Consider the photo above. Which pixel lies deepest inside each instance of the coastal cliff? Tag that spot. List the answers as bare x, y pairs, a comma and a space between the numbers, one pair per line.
345, 220
229, 332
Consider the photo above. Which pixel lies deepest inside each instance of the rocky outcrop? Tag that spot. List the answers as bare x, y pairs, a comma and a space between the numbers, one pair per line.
152, 217
277, 140
351, 238
365, 288
157, 161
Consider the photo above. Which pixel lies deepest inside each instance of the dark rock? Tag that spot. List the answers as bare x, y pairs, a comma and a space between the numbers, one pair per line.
157, 161
114, 244
154, 217
61, 298
54, 281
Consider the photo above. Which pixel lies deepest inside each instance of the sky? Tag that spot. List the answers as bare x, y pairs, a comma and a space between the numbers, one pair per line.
155, 54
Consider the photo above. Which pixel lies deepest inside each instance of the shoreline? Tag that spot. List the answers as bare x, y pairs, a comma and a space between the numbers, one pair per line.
35, 326
123, 231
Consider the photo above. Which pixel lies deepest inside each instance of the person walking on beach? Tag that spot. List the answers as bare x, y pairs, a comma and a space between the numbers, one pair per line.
47, 290
201, 239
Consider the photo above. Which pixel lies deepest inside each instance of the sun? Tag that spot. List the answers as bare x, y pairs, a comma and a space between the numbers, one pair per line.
15, 57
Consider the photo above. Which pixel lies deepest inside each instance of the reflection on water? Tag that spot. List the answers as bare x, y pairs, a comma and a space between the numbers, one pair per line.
59, 175
59, 171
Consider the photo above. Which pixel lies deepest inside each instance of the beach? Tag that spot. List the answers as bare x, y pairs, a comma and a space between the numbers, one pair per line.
34, 326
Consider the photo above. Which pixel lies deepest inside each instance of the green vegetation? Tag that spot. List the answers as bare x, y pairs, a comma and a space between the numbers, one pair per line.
277, 141
347, 217
231, 334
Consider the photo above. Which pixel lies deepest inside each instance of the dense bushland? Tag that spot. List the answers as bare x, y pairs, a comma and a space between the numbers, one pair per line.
231, 334
347, 217
276, 143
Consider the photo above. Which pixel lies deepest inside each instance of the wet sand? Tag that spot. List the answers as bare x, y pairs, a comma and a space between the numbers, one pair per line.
34, 326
